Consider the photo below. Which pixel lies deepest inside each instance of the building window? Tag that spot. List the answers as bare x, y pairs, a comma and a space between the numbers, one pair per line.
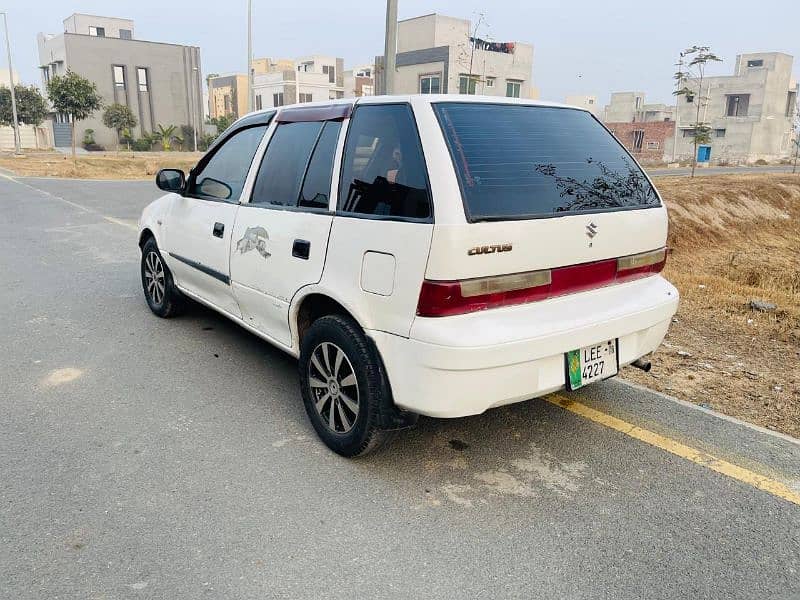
791, 104
652, 145
737, 105
638, 102
513, 88
689, 98
97, 31
141, 77
430, 84
591, 100
466, 84
688, 133
119, 77
755, 63
227, 104
719, 133
305, 98
490, 82
258, 102
125, 34
638, 139
331, 74
277, 99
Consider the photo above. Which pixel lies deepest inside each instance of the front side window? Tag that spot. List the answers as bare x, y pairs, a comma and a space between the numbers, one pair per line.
383, 170
119, 76
536, 161
430, 84
284, 164
222, 176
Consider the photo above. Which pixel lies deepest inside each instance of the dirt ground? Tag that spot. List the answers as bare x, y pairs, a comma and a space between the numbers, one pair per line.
99, 165
734, 238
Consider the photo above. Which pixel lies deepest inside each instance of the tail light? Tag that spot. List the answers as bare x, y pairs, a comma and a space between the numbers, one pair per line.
447, 298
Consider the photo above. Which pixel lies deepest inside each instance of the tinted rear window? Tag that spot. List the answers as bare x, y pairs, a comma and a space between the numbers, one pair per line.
532, 161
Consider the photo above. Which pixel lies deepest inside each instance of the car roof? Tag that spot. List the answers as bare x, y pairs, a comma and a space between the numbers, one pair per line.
418, 99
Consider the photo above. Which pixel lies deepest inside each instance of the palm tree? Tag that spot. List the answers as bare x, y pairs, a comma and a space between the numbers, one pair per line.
166, 134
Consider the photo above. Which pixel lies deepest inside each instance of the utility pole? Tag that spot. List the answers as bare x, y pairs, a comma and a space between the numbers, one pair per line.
17, 149
390, 47
250, 56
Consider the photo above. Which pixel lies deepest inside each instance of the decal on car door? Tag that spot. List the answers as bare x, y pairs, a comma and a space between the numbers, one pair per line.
254, 238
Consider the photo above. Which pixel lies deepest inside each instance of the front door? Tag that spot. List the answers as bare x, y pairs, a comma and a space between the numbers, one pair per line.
200, 223
281, 234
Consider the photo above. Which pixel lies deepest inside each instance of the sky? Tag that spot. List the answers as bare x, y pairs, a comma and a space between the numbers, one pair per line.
579, 47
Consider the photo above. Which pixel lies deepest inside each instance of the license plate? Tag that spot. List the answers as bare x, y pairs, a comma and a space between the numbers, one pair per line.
592, 363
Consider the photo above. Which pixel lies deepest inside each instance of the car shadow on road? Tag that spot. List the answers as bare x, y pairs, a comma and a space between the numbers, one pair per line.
523, 450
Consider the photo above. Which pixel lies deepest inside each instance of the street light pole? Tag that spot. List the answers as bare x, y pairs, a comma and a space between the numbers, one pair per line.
249, 55
17, 149
390, 47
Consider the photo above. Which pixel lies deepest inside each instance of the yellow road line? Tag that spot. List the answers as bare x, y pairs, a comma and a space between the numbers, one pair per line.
776, 488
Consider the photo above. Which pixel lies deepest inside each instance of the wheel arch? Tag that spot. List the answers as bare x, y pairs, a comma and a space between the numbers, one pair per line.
310, 306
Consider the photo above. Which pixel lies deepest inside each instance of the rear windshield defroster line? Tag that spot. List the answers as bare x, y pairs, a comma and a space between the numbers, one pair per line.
517, 162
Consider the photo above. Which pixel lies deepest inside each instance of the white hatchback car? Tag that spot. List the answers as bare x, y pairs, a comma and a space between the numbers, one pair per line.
434, 255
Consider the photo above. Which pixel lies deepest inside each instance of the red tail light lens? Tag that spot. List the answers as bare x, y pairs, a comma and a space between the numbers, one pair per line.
447, 298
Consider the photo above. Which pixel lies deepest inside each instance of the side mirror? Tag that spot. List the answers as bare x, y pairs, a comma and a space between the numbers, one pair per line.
171, 180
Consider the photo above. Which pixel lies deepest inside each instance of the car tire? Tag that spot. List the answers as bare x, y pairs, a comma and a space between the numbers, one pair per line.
163, 298
344, 386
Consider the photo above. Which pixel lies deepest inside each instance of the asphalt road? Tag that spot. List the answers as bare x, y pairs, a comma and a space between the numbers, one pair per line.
753, 170
148, 458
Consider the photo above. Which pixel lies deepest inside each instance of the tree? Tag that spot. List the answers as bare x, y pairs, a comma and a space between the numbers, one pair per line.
166, 134
75, 96
796, 133
223, 122
119, 118
31, 107
689, 82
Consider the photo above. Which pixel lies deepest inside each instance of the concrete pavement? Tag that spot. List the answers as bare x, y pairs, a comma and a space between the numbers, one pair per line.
145, 458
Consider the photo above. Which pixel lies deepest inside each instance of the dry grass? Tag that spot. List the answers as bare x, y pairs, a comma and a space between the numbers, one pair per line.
734, 238
100, 165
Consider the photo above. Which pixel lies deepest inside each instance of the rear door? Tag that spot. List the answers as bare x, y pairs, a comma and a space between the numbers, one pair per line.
382, 230
281, 233
199, 223
541, 187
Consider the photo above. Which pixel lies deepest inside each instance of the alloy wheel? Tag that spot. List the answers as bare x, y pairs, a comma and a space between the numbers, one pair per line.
333, 387
155, 279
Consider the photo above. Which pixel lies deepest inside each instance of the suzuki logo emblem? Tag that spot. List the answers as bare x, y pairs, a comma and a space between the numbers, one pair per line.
591, 229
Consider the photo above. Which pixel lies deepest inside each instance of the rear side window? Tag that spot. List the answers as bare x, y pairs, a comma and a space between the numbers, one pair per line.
383, 172
533, 161
284, 163
317, 184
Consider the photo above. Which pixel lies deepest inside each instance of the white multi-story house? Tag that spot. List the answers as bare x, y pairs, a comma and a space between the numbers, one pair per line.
750, 112
439, 54
313, 78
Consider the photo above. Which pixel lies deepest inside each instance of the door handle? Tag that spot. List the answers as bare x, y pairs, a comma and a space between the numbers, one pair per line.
301, 249
219, 229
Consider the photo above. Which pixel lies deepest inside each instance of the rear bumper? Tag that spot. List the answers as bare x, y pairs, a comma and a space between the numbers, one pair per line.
464, 365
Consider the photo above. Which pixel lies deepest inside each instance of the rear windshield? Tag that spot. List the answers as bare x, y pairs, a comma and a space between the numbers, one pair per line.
531, 161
